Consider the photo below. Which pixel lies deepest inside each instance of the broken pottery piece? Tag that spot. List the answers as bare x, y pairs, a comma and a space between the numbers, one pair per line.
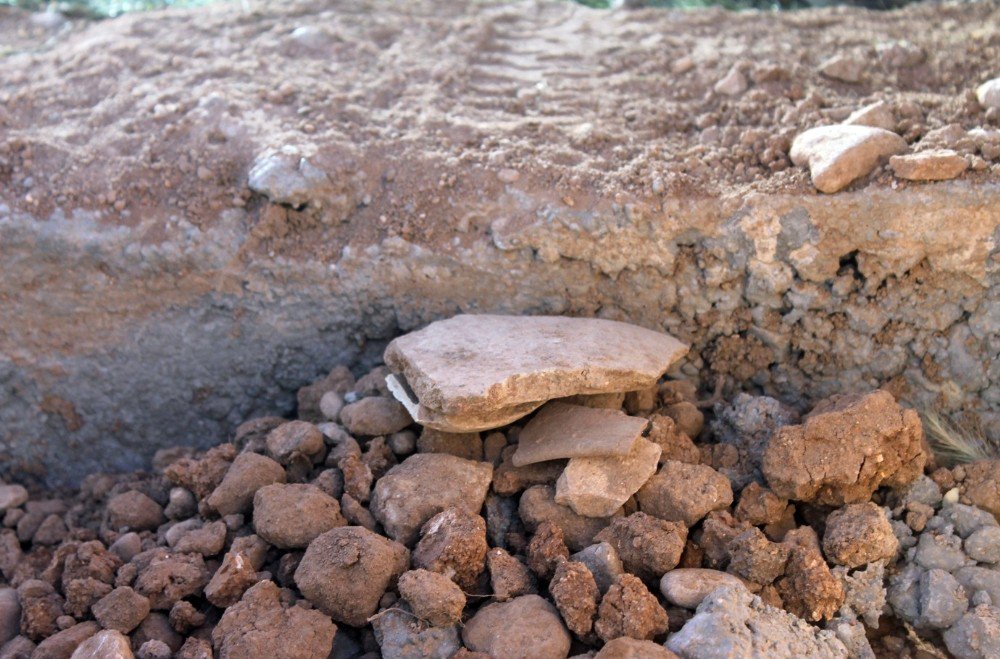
561, 430
597, 487
477, 372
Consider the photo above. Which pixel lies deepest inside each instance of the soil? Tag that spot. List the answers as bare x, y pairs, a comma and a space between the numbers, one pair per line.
160, 114
195, 555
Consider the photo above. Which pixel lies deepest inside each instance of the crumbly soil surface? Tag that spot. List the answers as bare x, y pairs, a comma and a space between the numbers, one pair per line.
419, 104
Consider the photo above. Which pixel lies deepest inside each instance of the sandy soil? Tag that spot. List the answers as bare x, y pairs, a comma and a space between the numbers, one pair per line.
161, 113
520, 158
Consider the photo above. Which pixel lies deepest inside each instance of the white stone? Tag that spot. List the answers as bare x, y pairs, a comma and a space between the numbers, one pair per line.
988, 94
846, 68
107, 644
876, 115
12, 496
597, 487
733, 83
687, 587
837, 155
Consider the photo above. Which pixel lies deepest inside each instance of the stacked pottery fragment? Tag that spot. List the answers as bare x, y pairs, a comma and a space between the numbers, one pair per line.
478, 372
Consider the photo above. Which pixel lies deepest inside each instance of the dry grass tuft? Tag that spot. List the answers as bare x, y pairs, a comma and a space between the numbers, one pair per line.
958, 442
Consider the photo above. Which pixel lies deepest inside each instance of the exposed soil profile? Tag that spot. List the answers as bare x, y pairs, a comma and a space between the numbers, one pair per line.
527, 158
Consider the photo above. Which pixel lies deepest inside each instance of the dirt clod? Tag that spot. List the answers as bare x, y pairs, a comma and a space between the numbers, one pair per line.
345, 572
575, 594
629, 609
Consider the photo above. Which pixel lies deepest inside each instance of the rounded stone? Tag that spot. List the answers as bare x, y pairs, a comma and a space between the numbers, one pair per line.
293, 515
688, 587
526, 627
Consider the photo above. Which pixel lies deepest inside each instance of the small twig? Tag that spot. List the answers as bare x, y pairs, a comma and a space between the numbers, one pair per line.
921, 644
716, 396
396, 608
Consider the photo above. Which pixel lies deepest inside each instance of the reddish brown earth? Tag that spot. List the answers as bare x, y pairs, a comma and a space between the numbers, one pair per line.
539, 158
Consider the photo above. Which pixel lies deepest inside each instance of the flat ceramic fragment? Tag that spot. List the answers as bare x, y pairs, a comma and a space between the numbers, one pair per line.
561, 430
477, 372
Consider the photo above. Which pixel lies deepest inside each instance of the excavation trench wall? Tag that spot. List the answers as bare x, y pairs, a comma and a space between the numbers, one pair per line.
115, 352
521, 158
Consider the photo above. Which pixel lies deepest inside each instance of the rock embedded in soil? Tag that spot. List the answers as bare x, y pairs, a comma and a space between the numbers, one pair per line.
988, 94
286, 176
64, 643
509, 577
374, 415
107, 644
932, 165
453, 543
546, 549
808, 588
733, 83
12, 496
837, 155
847, 447
981, 486
648, 546
294, 438
477, 372
399, 634
165, 577
755, 558
560, 430
603, 562
688, 587
248, 473
843, 67
876, 115
682, 492
624, 647
575, 594
598, 487
977, 634
261, 625
10, 614
629, 609
292, 515
345, 572
403, 501
732, 622
432, 597
121, 610
527, 627
134, 510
